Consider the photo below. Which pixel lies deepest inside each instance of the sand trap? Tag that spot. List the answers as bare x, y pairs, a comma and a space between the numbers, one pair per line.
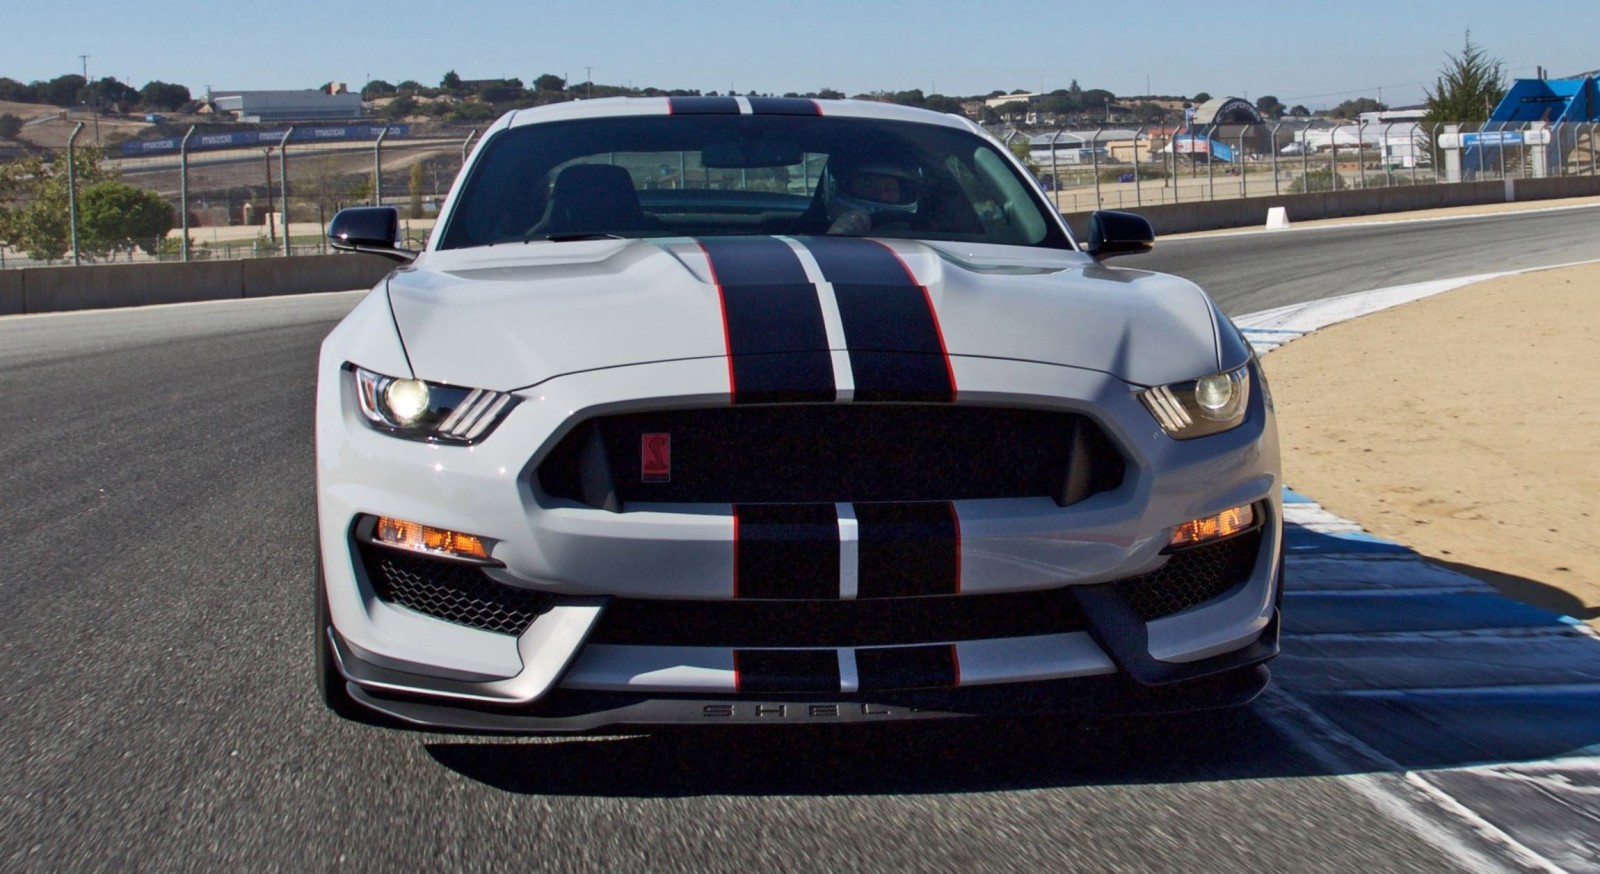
1466, 426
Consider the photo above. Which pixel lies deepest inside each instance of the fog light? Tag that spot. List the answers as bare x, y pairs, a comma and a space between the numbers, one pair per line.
1224, 524
421, 538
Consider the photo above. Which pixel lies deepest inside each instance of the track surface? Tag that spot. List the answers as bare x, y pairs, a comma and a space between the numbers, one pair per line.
157, 710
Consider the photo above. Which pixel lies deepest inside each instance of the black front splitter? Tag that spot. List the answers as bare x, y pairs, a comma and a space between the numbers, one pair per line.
570, 712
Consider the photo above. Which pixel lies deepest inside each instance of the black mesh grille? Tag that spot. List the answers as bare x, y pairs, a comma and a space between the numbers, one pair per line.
451, 591
835, 453
872, 622
1192, 577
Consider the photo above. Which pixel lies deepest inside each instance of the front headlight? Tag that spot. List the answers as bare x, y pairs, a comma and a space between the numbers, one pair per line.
1208, 405
427, 410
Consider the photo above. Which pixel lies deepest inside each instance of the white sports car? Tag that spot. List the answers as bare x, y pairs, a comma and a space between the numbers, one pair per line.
767, 410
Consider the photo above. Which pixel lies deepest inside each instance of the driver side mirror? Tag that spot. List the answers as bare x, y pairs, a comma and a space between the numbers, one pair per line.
1118, 233
370, 229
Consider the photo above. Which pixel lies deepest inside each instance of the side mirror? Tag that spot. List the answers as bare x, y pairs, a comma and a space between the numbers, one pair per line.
368, 229
1118, 233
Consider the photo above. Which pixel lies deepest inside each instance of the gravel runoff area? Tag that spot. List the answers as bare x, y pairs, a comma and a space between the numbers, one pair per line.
1466, 426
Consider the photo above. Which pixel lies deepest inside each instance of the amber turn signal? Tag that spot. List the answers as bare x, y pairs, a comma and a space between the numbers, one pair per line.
1224, 524
410, 535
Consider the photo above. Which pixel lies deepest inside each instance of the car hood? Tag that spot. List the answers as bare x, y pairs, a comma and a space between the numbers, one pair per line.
510, 316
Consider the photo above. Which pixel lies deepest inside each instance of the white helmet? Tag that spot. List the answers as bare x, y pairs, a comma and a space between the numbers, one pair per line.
873, 188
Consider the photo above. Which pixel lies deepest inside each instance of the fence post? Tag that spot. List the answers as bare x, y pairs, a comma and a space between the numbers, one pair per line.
1275, 189
377, 168
1211, 160
1138, 198
1055, 174
1416, 159
183, 189
1594, 149
1383, 155
1305, 159
283, 184
466, 147
1361, 150
1238, 160
1094, 155
1333, 159
72, 189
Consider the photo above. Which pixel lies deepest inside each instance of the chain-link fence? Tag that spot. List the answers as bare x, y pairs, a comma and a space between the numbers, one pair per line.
1126, 168
274, 194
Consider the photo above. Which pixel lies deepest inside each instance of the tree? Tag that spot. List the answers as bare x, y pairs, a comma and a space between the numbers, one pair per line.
1269, 106
60, 91
451, 82
829, 94
1354, 108
549, 82
1015, 110
15, 92
115, 216
376, 88
399, 108
163, 95
108, 91
941, 103
39, 223
501, 90
1300, 111
10, 126
1469, 86
1202, 97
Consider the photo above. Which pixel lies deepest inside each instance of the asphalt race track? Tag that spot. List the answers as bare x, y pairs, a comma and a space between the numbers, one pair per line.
157, 707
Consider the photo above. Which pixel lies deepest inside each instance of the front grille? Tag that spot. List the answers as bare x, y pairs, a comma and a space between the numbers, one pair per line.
451, 591
1188, 579
870, 622
1192, 577
834, 453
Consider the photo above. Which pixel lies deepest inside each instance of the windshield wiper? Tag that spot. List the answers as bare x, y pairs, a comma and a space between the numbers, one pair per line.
571, 238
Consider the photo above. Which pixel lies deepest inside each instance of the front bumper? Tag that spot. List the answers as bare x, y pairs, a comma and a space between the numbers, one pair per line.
552, 677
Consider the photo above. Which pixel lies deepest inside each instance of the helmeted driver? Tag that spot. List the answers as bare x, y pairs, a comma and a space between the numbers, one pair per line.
862, 195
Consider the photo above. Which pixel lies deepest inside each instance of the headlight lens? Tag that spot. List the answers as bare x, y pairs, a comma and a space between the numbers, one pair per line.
427, 410
1208, 405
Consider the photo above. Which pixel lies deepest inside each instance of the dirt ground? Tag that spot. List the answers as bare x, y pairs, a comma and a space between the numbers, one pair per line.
1466, 426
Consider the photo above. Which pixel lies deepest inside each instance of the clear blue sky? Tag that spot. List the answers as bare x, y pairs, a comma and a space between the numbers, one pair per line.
1311, 51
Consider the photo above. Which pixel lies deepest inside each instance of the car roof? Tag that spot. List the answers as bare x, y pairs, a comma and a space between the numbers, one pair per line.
612, 107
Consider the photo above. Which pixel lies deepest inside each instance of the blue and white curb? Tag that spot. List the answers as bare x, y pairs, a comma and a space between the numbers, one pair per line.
1488, 708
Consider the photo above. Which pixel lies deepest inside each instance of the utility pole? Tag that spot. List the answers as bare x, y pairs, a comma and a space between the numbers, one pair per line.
90, 88
588, 75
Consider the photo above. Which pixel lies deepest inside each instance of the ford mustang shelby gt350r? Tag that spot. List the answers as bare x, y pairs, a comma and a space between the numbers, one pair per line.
720, 410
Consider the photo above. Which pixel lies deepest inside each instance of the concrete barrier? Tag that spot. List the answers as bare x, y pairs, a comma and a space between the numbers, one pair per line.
1211, 215
101, 286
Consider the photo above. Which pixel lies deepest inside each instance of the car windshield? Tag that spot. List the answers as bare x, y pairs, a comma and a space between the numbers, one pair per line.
720, 175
